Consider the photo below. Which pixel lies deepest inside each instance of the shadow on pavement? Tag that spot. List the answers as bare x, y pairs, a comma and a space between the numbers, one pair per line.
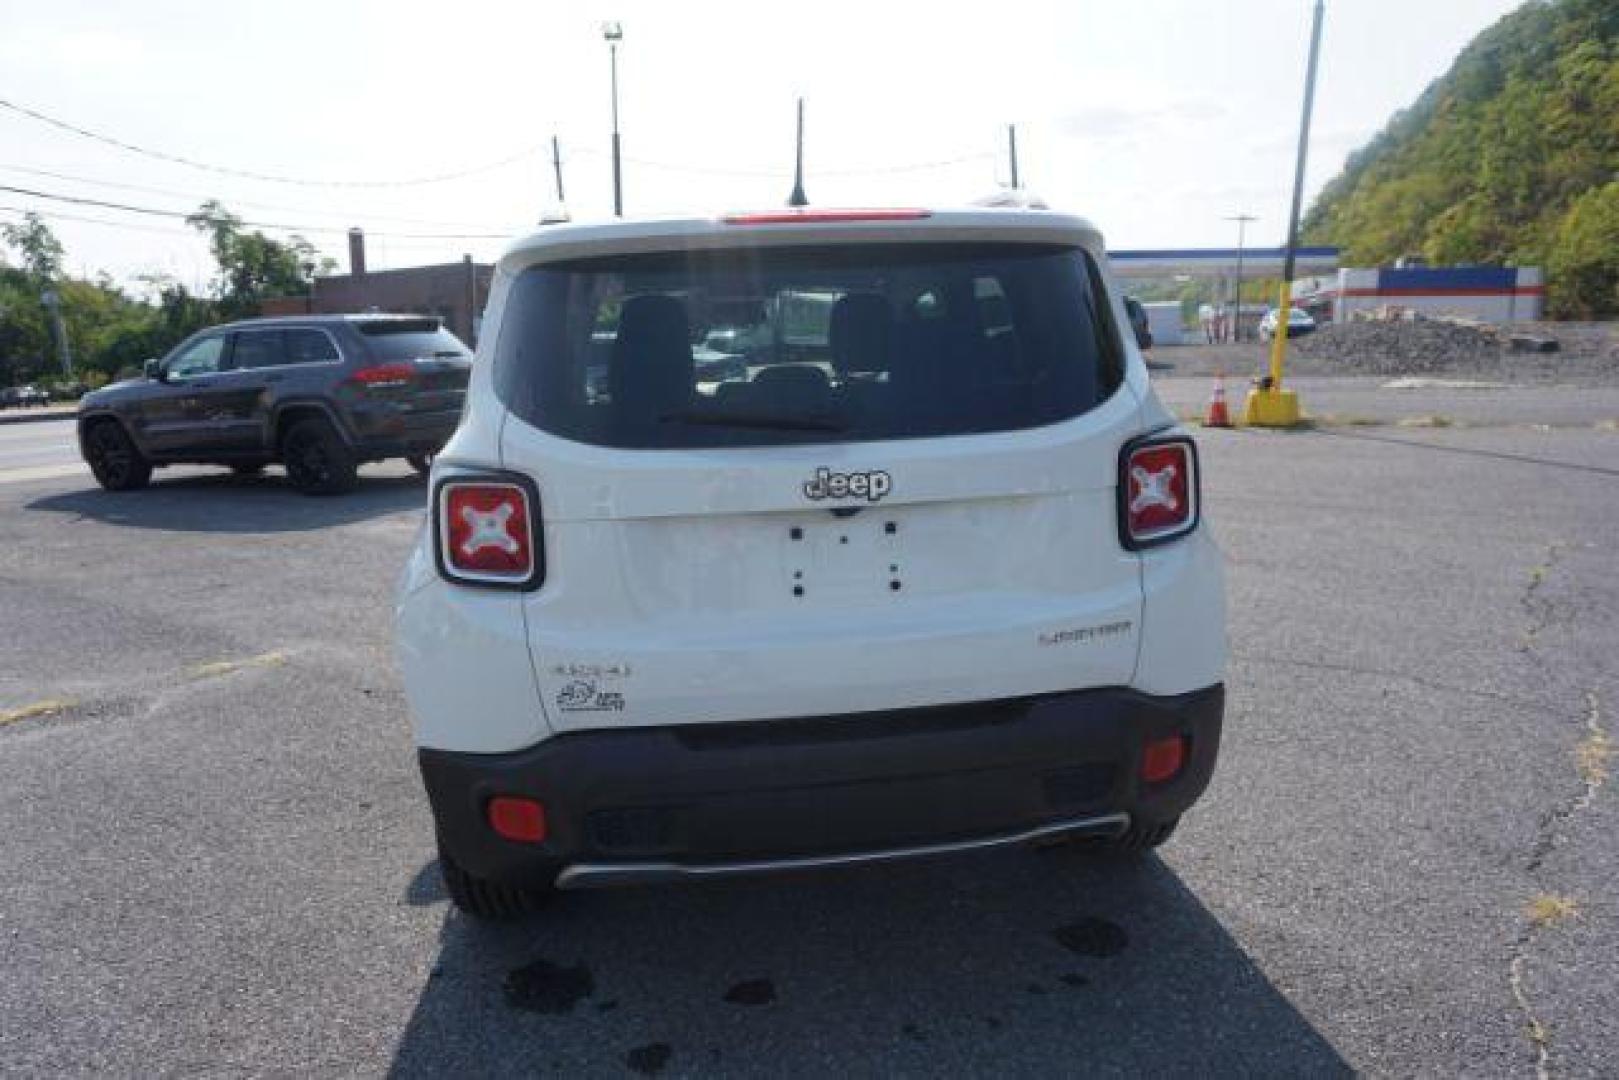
1004, 963
223, 503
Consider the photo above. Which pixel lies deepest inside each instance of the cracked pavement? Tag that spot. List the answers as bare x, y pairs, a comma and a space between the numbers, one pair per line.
217, 858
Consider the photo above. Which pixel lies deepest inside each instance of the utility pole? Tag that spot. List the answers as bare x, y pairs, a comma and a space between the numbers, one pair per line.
798, 198
1011, 152
1269, 405
556, 164
613, 33
1242, 221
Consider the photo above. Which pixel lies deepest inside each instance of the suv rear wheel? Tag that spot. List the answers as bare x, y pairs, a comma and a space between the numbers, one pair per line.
316, 460
117, 463
486, 899
1140, 838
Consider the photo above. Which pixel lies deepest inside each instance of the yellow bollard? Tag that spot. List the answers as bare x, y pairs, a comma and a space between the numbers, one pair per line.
1269, 405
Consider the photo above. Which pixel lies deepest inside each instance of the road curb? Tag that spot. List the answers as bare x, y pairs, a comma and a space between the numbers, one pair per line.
37, 417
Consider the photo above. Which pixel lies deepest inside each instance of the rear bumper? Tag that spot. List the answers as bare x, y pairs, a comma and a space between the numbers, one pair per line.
705, 800
393, 432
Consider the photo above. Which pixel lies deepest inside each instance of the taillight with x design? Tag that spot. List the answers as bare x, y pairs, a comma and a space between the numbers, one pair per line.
486, 532
1158, 491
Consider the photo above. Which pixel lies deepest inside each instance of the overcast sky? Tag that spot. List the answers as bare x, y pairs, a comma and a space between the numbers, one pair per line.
1155, 118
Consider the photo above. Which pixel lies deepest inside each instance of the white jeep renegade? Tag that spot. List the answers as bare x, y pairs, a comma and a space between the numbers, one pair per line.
806, 538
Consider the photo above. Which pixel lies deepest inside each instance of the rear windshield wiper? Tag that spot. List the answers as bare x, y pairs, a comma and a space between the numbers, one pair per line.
773, 421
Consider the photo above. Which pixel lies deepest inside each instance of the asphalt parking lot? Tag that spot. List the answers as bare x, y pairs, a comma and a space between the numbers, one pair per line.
216, 857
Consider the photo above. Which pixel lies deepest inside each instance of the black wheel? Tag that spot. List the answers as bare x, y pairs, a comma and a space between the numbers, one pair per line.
422, 463
114, 459
486, 900
1140, 838
316, 460
247, 468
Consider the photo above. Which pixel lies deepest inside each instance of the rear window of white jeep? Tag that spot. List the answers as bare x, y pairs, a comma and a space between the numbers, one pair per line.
762, 346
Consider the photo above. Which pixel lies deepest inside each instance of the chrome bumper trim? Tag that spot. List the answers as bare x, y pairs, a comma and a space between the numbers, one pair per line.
603, 875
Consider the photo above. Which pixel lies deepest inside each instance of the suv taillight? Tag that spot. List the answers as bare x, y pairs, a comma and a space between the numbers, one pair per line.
486, 531
398, 373
1158, 491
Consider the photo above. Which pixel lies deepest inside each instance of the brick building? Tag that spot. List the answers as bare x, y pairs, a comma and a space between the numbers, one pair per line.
455, 292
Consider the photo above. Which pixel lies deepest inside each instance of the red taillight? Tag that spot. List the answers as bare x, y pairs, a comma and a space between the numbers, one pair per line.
395, 374
1158, 491
517, 818
486, 533
791, 217
1163, 759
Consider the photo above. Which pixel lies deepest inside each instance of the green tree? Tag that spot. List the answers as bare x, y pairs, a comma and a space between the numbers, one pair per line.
1486, 165
110, 330
25, 333
1585, 256
254, 267
41, 251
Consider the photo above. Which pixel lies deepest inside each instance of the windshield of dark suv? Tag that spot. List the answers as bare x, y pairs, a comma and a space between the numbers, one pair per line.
757, 346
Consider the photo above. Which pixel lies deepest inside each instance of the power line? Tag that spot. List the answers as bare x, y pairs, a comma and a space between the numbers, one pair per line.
57, 215
346, 215
78, 200
160, 155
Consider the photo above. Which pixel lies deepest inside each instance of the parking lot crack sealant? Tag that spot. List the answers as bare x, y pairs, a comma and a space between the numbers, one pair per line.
1591, 766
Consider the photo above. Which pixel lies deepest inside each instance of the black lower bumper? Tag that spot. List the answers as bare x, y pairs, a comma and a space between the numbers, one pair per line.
816, 790
395, 433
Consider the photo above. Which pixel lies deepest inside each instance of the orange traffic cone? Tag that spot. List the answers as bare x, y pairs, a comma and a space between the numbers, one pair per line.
1217, 415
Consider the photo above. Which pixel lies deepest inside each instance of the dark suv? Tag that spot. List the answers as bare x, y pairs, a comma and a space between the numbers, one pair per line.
319, 394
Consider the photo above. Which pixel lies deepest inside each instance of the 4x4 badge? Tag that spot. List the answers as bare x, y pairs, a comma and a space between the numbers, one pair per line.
827, 484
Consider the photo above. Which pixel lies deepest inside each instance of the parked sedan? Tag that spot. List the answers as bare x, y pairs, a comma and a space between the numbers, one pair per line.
1298, 323
23, 396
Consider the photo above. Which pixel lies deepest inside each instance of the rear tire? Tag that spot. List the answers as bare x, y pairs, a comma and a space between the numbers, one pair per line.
114, 459
316, 459
487, 900
1139, 839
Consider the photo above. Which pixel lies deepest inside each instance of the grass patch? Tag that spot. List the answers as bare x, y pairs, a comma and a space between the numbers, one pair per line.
1591, 758
1549, 909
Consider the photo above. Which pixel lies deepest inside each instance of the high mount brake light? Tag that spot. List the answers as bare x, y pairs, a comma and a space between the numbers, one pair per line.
1158, 491
398, 373
794, 217
486, 532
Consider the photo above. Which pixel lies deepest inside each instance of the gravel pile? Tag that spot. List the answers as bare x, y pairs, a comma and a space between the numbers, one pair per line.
1405, 345
1417, 346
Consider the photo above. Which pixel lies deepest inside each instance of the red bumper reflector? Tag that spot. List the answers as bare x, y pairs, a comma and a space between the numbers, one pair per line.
517, 819
1162, 760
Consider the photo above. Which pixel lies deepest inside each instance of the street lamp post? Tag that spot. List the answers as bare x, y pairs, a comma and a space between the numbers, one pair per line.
613, 33
64, 353
1242, 221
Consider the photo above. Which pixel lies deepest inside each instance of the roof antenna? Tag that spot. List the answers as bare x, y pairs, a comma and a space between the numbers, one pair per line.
798, 198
